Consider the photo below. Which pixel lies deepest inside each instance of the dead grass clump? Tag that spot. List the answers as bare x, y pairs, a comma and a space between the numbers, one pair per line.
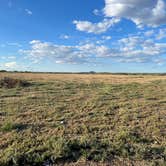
8, 82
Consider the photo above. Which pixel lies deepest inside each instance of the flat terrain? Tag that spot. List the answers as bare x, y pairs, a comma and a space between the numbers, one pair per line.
78, 119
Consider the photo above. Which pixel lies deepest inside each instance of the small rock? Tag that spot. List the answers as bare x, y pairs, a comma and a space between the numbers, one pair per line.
62, 122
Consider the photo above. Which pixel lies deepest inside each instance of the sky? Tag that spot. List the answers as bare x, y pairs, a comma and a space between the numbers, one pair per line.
83, 35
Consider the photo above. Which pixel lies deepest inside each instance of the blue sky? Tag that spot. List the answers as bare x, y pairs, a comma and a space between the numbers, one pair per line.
83, 35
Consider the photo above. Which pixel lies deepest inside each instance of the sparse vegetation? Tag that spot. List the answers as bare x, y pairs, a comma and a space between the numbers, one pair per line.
83, 120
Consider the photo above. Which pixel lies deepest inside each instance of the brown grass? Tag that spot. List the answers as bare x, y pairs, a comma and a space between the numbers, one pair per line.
83, 120
86, 78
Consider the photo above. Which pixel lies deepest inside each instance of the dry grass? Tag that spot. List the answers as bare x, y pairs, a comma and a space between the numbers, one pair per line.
86, 78
83, 120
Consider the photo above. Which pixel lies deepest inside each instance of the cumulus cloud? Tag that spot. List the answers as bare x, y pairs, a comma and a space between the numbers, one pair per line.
161, 34
141, 12
150, 13
85, 53
95, 28
60, 53
138, 49
10, 65
130, 49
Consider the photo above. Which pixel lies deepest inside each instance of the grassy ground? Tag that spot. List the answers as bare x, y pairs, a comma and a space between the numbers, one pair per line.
83, 120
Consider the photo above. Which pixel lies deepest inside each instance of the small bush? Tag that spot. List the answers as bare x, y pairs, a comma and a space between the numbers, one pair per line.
8, 126
7, 82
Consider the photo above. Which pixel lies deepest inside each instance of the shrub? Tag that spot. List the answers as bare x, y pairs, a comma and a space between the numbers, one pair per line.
8, 126
7, 82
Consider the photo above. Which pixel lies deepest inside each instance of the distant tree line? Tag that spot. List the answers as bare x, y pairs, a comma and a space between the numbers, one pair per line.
90, 72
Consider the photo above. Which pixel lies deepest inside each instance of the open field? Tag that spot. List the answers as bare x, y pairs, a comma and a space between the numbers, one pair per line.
72, 119
86, 78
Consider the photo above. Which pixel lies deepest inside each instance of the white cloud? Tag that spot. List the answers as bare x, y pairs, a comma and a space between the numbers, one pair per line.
10, 65
95, 28
64, 36
59, 62
96, 12
34, 42
85, 53
161, 34
138, 49
149, 33
91, 49
29, 12
11, 57
106, 37
10, 44
130, 49
14, 44
60, 53
7, 57
150, 13
141, 12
